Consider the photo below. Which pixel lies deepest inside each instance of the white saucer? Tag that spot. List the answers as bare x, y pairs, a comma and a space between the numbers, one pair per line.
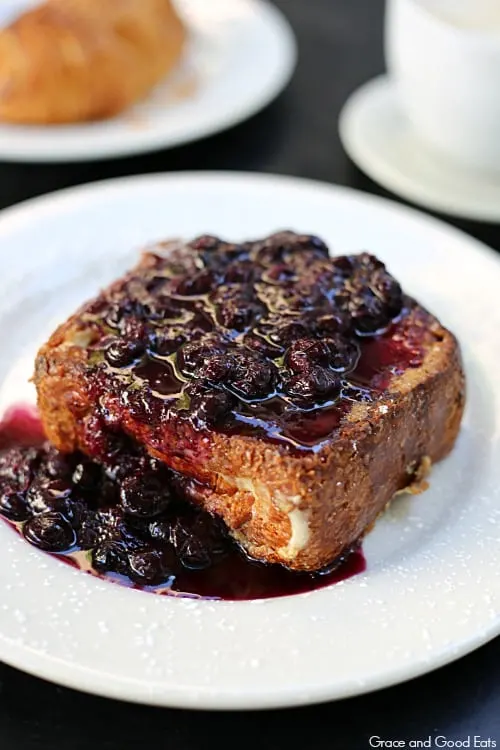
379, 139
240, 55
431, 590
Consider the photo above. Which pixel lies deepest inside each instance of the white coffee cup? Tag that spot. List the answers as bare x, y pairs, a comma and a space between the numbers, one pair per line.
444, 56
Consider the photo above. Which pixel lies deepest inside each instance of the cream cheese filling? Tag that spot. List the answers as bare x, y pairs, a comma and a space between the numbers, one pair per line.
289, 504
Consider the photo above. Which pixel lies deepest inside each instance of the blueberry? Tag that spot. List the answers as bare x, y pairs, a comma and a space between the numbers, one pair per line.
305, 353
93, 531
196, 284
313, 386
237, 314
161, 531
122, 353
239, 272
209, 405
111, 557
168, 341
147, 567
50, 532
338, 353
280, 273
193, 356
206, 242
13, 506
262, 346
87, 476
193, 555
287, 332
252, 377
369, 293
48, 495
217, 369
331, 324
144, 496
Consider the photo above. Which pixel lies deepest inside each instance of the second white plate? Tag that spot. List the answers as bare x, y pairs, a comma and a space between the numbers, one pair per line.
241, 54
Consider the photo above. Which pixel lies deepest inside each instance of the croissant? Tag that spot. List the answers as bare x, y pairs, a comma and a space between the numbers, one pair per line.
74, 60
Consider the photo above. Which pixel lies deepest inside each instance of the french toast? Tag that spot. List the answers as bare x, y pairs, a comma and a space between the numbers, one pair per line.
297, 393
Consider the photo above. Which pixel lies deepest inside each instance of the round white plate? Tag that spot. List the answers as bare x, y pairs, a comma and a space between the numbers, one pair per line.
379, 139
431, 591
240, 55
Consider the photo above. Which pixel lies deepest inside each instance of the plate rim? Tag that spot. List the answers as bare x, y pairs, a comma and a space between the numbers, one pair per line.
130, 690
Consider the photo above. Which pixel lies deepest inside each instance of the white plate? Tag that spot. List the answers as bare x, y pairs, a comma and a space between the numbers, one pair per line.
241, 54
432, 588
380, 140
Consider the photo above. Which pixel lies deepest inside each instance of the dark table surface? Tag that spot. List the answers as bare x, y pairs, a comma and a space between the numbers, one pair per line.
340, 45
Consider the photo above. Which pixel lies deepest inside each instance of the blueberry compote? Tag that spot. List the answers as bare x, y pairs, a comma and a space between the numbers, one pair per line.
272, 338
132, 521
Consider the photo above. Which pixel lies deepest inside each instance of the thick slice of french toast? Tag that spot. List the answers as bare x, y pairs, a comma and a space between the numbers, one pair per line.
299, 392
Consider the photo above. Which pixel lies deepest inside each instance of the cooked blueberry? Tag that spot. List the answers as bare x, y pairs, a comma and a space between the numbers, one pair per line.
262, 346
344, 264
331, 324
217, 369
239, 272
144, 496
167, 341
50, 532
318, 244
193, 555
237, 314
193, 356
147, 408
389, 290
338, 353
369, 313
305, 353
111, 557
344, 354
87, 476
133, 328
288, 331
280, 273
206, 242
13, 506
211, 532
161, 531
273, 249
209, 405
196, 284
93, 531
313, 386
252, 377
46, 495
147, 567
123, 353
370, 294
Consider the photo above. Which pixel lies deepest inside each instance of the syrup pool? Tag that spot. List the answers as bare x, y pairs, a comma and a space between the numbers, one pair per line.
231, 575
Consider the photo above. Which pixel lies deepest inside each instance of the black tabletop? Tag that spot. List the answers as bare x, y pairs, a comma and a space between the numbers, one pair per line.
340, 44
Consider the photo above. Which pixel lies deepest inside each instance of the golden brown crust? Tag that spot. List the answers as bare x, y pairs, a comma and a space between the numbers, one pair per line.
76, 60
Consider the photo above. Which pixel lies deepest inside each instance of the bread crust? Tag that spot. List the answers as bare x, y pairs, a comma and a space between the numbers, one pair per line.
75, 60
300, 508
